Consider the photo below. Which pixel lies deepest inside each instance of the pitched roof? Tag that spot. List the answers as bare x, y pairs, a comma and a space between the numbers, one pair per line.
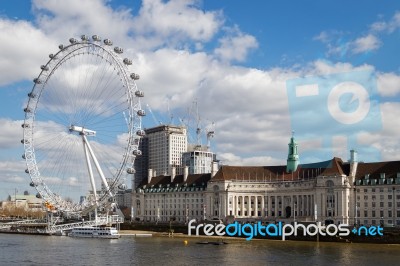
278, 173
194, 180
374, 170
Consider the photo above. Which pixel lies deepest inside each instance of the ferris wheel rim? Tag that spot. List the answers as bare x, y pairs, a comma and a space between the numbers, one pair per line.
133, 121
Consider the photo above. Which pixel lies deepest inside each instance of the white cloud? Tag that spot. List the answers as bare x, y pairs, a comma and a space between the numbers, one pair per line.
387, 26
323, 67
12, 176
156, 24
388, 84
15, 170
394, 23
11, 133
172, 76
232, 159
370, 41
235, 46
21, 45
386, 141
73, 18
365, 44
378, 26
176, 20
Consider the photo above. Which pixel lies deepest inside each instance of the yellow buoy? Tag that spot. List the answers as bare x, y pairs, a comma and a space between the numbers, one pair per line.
186, 242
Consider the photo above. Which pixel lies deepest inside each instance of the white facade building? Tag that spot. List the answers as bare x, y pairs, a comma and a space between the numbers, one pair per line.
329, 191
26, 202
166, 143
171, 198
199, 162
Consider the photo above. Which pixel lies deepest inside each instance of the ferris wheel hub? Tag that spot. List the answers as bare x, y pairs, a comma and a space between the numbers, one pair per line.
82, 130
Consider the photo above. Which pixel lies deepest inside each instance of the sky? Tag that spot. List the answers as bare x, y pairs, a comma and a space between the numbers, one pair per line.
257, 71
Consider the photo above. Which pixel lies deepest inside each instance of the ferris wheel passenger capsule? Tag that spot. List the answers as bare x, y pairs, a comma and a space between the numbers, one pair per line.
31, 95
108, 42
84, 38
38, 196
137, 152
51, 56
27, 171
37, 81
139, 93
43, 67
127, 61
122, 186
27, 110
25, 125
73, 40
96, 38
136, 141
61, 46
32, 184
23, 156
134, 76
118, 50
131, 171
140, 133
141, 112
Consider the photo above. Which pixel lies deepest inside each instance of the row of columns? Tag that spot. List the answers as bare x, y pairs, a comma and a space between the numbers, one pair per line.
269, 207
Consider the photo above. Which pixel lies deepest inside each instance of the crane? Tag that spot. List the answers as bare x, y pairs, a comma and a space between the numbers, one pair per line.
210, 132
152, 114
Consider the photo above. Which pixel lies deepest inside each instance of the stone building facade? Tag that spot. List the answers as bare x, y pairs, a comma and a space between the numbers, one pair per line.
332, 191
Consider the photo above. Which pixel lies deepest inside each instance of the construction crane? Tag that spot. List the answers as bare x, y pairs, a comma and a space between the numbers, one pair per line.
152, 114
171, 116
210, 132
198, 126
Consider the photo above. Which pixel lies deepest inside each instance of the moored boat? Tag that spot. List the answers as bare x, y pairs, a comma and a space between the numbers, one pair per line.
95, 232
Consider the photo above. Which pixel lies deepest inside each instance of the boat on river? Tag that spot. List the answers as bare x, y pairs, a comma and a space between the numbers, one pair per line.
95, 232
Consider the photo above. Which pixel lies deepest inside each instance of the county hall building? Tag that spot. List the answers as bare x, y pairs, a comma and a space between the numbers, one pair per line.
333, 191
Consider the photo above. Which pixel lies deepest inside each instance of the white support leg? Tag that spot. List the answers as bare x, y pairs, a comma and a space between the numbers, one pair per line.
93, 184
97, 165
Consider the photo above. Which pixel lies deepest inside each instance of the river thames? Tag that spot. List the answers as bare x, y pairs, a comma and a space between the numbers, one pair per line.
128, 250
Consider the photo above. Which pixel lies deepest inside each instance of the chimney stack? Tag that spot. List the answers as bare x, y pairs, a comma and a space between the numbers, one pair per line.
149, 176
185, 173
173, 173
214, 168
353, 164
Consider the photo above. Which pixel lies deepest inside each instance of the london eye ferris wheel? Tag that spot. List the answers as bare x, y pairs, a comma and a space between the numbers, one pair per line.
82, 125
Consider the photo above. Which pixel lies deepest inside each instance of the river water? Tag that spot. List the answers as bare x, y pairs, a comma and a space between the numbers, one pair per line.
128, 250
